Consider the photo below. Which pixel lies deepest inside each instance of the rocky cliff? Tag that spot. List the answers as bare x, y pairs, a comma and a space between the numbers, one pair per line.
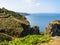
12, 23
53, 29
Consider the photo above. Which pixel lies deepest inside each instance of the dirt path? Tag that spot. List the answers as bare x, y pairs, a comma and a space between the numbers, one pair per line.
55, 41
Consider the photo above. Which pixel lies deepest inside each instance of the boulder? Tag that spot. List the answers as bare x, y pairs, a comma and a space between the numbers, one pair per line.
35, 30
53, 29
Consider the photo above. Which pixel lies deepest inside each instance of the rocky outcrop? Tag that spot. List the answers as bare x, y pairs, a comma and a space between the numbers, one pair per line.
34, 30
53, 29
15, 25
12, 23
30, 31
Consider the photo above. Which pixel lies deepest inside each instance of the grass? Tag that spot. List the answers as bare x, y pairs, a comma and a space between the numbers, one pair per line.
28, 40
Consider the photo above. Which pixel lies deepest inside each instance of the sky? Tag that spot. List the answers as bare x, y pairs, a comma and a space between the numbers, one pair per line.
32, 6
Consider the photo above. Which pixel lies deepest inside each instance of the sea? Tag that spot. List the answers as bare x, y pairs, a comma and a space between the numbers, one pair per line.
42, 19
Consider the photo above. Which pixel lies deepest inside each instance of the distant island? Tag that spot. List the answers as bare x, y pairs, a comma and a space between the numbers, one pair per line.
24, 14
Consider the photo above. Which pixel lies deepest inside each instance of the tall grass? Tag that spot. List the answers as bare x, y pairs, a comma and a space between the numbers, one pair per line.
28, 40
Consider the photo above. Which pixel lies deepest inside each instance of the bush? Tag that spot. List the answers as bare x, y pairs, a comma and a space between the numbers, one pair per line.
4, 37
30, 40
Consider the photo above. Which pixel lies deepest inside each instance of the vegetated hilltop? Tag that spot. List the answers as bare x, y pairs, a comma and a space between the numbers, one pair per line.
53, 29
12, 23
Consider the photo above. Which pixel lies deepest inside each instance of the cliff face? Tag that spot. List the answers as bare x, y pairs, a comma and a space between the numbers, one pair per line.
53, 28
12, 23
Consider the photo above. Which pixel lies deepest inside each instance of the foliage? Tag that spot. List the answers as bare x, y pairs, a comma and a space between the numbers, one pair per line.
29, 40
4, 37
11, 13
11, 22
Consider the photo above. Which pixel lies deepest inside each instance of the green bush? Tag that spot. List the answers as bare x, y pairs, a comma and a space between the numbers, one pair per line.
29, 40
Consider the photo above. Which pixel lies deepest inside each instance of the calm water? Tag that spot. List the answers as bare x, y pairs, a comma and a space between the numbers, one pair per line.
42, 20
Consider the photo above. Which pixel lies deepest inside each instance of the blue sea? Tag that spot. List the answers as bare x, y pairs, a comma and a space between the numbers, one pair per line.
42, 20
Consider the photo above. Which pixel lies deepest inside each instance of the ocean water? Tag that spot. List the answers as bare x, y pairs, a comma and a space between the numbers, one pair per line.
42, 20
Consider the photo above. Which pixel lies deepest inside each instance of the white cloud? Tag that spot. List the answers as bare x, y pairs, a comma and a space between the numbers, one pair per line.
28, 1
29, 6
23, 5
32, 3
38, 4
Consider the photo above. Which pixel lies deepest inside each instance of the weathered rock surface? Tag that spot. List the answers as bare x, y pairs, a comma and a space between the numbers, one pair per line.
12, 23
53, 29
35, 30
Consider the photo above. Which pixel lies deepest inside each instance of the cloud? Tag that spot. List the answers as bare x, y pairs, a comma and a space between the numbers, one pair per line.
32, 3
38, 4
28, 1
23, 5
29, 5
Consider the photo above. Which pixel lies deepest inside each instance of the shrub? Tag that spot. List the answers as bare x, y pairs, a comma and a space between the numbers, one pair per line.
30, 40
4, 37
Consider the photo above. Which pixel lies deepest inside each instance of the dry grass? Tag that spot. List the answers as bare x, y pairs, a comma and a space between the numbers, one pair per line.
21, 21
55, 41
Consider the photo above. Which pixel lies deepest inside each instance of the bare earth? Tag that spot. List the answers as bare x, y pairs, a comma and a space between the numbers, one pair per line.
55, 41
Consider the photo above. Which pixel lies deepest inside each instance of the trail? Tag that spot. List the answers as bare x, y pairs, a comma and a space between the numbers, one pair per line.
55, 41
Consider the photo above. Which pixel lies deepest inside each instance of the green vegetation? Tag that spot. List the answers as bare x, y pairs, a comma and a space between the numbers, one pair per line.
11, 22
29, 40
6, 13
4, 37
13, 26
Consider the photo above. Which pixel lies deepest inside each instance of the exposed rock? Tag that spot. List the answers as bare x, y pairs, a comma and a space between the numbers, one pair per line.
15, 25
35, 30
53, 29
30, 31
12, 23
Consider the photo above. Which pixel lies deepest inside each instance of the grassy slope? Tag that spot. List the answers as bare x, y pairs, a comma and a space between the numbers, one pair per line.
29, 40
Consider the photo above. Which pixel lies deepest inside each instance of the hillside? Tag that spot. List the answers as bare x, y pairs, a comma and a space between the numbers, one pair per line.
12, 23
15, 30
